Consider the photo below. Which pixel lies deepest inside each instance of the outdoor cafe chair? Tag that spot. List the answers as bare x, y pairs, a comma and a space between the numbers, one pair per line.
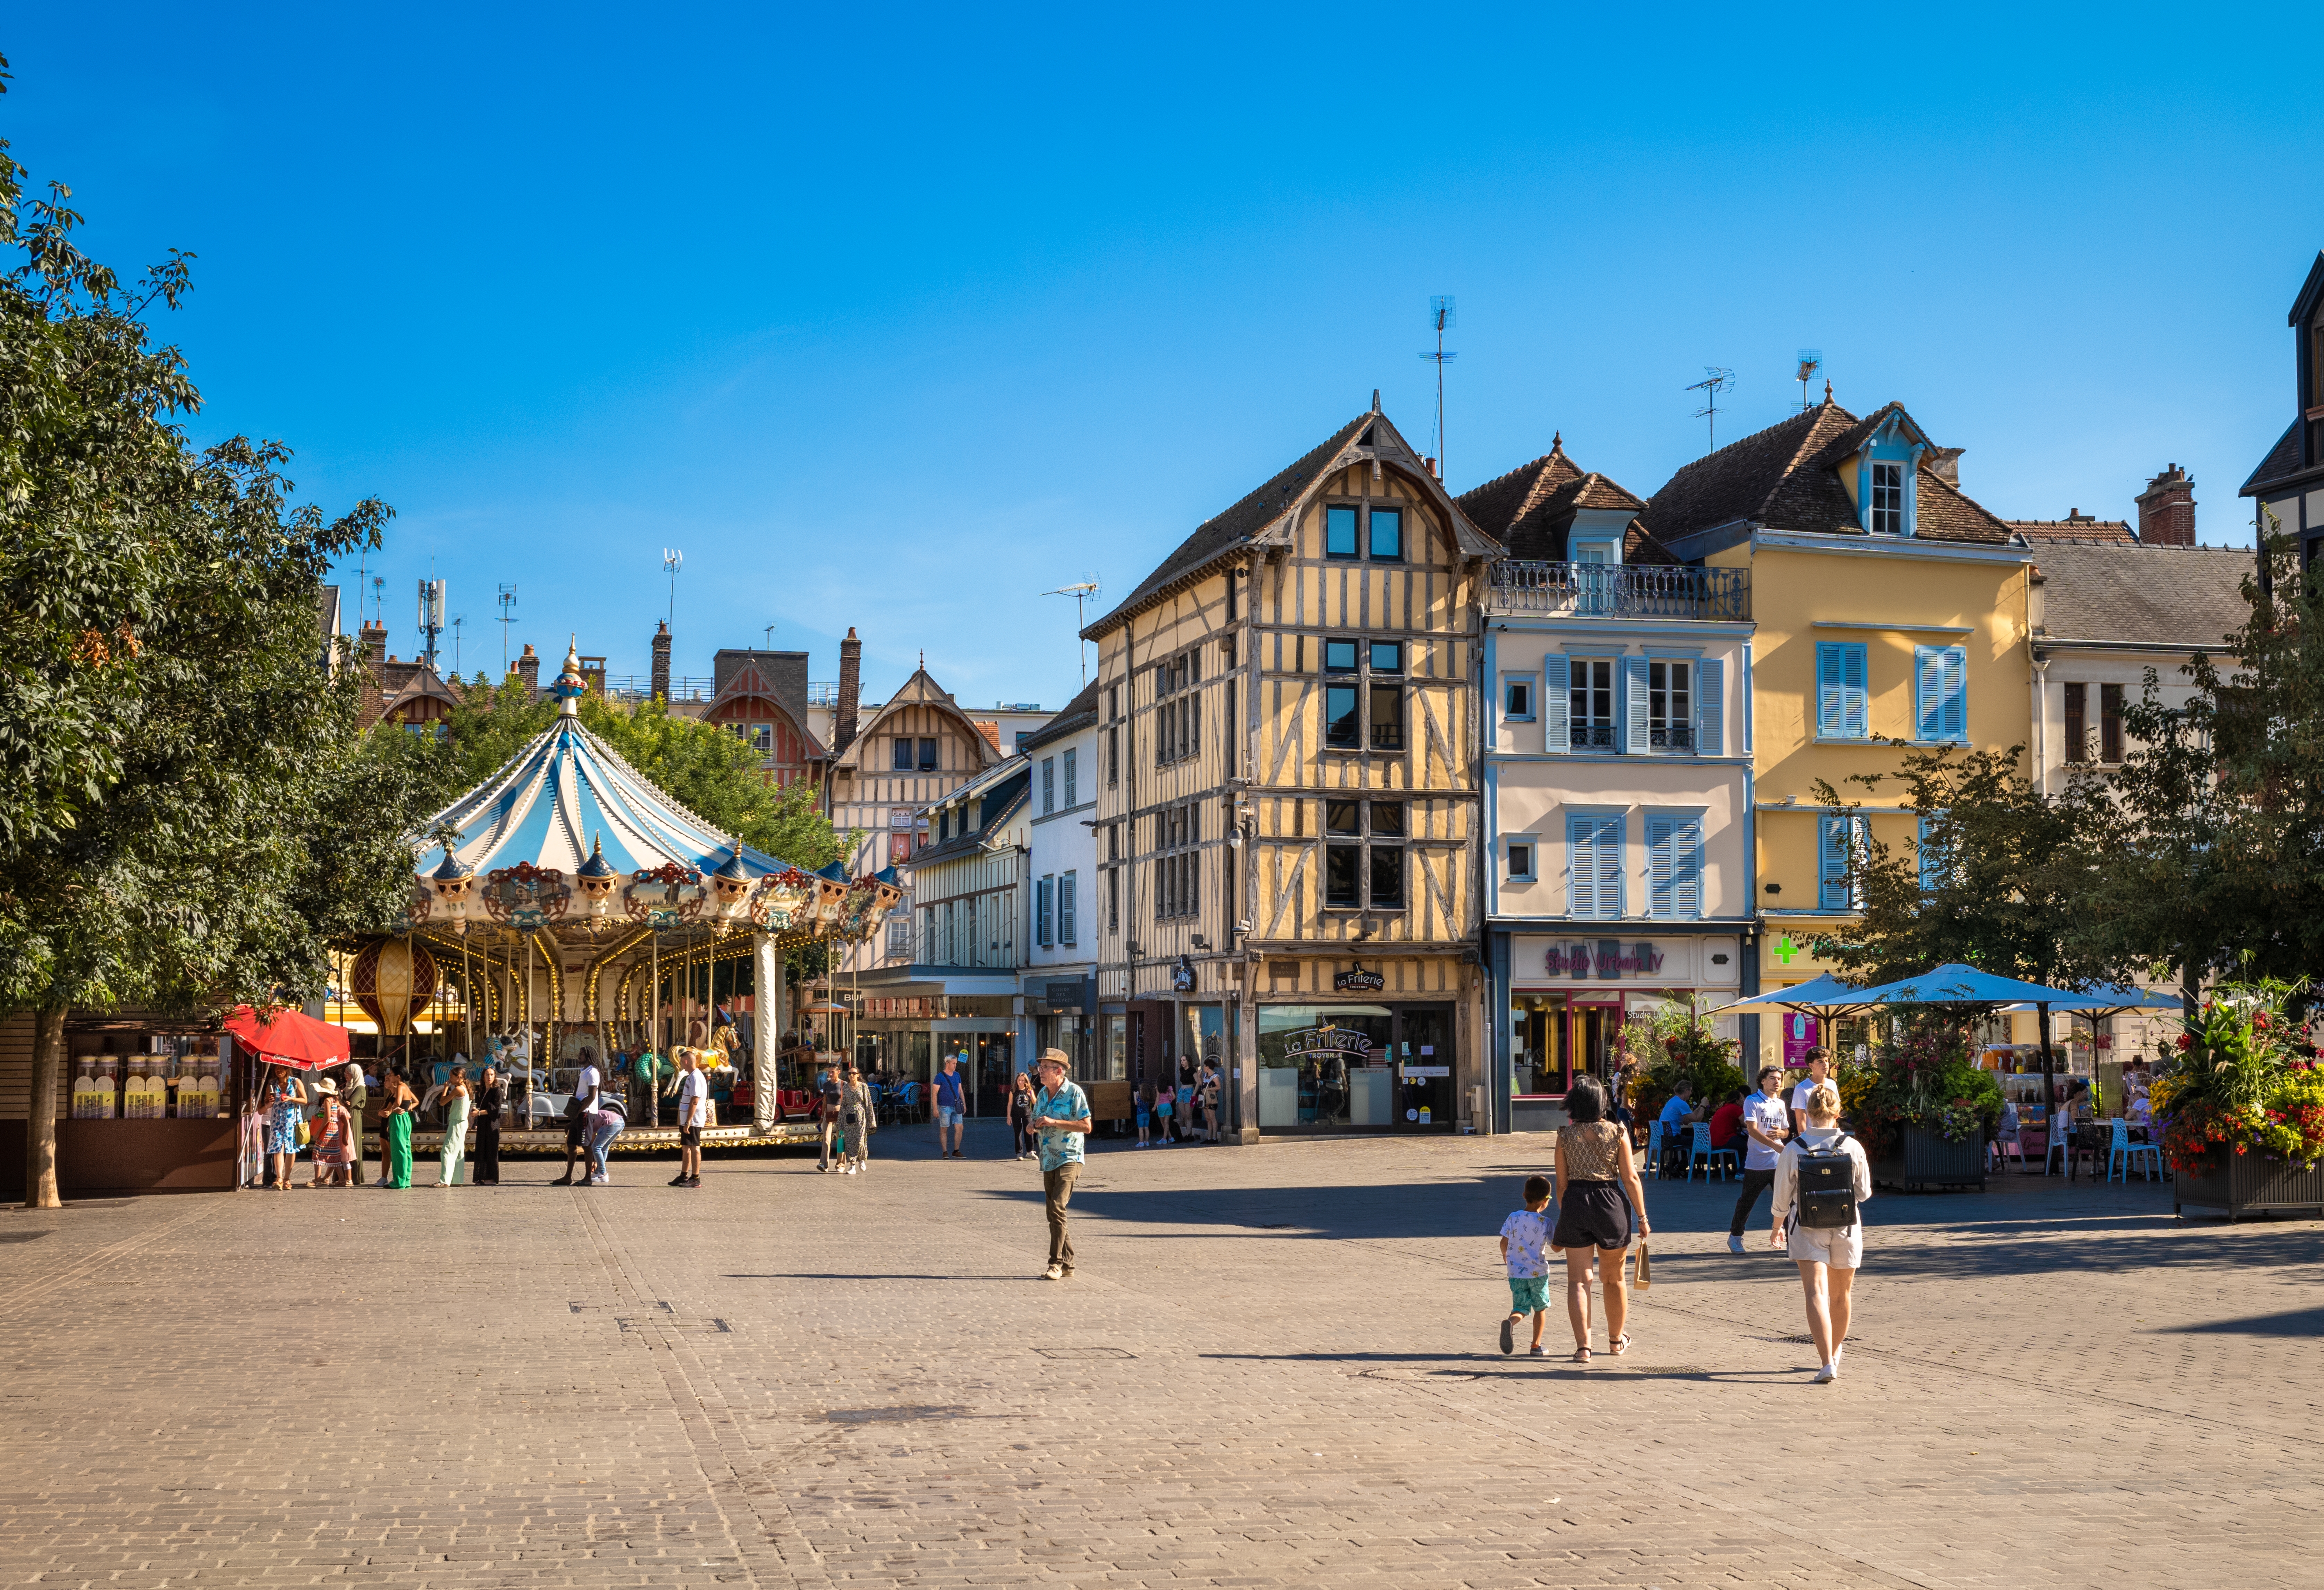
1709, 1158
1654, 1149
2062, 1141
2122, 1152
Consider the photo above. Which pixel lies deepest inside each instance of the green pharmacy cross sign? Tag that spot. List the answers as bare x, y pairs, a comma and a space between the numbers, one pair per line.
1785, 949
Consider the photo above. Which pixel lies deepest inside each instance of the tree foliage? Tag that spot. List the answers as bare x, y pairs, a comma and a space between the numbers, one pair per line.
1994, 877
2213, 858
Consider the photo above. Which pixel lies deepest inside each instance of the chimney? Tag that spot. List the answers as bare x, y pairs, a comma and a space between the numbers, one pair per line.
528, 668
374, 643
1944, 463
2166, 509
851, 688
662, 660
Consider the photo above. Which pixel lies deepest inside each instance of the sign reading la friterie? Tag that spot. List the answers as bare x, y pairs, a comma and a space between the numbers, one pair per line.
1358, 981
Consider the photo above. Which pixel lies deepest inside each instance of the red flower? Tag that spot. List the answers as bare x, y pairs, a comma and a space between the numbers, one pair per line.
2186, 1040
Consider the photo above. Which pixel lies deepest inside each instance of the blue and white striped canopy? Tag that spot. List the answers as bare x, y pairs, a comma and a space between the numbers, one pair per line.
567, 792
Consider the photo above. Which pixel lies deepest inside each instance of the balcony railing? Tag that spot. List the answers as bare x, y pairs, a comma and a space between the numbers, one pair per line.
1620, 590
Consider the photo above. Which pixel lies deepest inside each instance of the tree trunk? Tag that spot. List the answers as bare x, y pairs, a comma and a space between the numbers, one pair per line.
2048, 1080
41, 1126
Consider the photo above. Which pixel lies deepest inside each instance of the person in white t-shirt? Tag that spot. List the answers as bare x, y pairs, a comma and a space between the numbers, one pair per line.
576, 1116
1819, 1071
693, 1115
1768, 1125
1524, 1236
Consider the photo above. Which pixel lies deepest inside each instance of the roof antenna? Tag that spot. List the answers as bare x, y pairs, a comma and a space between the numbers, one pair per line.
672, 560
1086, 590
1714, 382
1440, 317
507, 600
1810, 361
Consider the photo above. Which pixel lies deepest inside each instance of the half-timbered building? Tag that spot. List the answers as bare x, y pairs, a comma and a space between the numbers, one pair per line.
1287, 810
761, 696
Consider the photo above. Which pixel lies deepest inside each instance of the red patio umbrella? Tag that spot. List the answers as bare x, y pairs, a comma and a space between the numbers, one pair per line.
292, 1039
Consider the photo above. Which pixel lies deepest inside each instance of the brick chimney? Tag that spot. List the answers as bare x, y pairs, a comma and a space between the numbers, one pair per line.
528, 668
851, 689
661, 660
2166, 509
374, 643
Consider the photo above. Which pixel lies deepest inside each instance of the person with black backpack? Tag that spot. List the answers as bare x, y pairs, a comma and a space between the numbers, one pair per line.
1820, 1180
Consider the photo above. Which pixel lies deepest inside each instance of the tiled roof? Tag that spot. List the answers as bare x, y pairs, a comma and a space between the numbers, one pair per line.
1787, 477
1001, 797
1530, 509
1256, 514
1077, 714
2158, 596
2027, 531
2280, 465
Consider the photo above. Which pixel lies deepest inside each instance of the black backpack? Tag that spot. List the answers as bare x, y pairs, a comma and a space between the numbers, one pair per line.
1827, 1196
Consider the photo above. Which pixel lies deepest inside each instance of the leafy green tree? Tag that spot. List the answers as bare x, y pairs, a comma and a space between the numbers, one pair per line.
2214, 858
186, 808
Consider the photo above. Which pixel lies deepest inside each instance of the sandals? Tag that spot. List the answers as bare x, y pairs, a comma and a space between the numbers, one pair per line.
1619, 1345
1580, 1354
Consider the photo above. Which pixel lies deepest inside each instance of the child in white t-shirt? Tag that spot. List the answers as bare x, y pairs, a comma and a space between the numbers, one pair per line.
1525, 1236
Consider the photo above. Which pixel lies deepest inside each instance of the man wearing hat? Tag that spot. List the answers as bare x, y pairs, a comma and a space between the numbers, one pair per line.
1061, 1116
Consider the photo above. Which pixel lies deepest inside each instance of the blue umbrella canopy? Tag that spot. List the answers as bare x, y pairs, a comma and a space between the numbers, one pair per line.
1822, 995
1955, 984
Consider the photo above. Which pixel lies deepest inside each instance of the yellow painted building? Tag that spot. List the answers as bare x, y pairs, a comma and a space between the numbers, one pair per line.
1888, 606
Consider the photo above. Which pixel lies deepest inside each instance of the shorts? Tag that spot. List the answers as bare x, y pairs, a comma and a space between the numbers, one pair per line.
1594, 1214
1145, 1119
946, 1116
1842, 1247
576, 1131
689, 1137
1528, 1294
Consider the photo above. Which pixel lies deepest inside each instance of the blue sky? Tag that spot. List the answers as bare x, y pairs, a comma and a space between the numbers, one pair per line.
897, 318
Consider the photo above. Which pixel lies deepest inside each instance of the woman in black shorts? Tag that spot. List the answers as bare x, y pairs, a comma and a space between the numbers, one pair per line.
1594, 1169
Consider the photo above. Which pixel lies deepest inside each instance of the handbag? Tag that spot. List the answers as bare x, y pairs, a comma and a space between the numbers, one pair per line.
305, 1136
1645, 1280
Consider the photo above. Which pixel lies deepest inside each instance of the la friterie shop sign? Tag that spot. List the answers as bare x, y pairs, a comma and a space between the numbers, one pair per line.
1356, 980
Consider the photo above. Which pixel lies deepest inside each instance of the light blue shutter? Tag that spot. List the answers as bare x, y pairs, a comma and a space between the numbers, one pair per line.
1065, 892
1042, 891
1686, 868
1610, 878
1661, 863
1556, 698
1953, 693
1928, 692
1710, 708
1832, 849
1856, 715
1830, 697
1635, 739
1594, 849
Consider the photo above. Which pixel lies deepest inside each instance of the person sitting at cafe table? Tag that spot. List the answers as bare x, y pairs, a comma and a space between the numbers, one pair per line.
1678, 1118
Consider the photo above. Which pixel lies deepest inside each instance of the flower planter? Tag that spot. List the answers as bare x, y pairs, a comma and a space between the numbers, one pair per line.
2249, 1185
1928, 1160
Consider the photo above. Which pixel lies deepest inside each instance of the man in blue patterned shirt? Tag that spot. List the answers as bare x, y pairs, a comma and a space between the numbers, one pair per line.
1061, 1116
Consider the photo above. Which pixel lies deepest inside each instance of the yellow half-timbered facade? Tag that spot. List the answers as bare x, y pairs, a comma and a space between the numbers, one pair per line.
1287, 815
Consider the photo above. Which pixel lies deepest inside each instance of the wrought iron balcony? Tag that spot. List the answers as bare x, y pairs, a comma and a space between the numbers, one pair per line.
1619, 590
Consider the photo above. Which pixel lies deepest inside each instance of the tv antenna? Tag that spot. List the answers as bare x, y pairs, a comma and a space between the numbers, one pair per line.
1440, 318
1810, 361
1714, 382
431, 613
508, 616
672, 560
457, 620
379, 599
1080, 594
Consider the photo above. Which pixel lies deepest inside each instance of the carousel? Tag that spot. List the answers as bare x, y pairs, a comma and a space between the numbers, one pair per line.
566, 913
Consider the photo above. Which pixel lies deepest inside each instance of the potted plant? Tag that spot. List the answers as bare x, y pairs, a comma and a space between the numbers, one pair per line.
2241, 1113
1676, 1039
1920, 1104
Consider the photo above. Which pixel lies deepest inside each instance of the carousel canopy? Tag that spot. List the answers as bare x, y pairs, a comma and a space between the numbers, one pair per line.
568, 798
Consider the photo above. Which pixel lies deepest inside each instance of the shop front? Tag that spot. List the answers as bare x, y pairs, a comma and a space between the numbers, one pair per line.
1569, 995
146, 1104
906, 1038
1357, 1066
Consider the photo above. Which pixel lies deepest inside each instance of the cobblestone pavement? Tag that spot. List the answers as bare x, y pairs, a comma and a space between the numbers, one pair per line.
1276, 1366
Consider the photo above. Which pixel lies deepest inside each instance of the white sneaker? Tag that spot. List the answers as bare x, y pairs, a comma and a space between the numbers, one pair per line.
1054, 1273
1827, 1374
1734, 1243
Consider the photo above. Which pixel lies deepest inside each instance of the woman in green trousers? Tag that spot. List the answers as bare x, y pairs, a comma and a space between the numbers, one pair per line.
395, 1130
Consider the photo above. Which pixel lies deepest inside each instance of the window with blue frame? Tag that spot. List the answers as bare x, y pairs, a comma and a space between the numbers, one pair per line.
1940, 693
1388, 533
1593, 848
1931, 845
1841, 842
1339, 533
1674, 866
1887, 499
1521, 862
1843, 699
1516, 699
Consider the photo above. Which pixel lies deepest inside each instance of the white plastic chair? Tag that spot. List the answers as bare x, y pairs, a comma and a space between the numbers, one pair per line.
2061, 1140
2122, 1151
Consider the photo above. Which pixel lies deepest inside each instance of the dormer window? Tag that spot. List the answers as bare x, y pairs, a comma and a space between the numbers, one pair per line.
1887, 499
